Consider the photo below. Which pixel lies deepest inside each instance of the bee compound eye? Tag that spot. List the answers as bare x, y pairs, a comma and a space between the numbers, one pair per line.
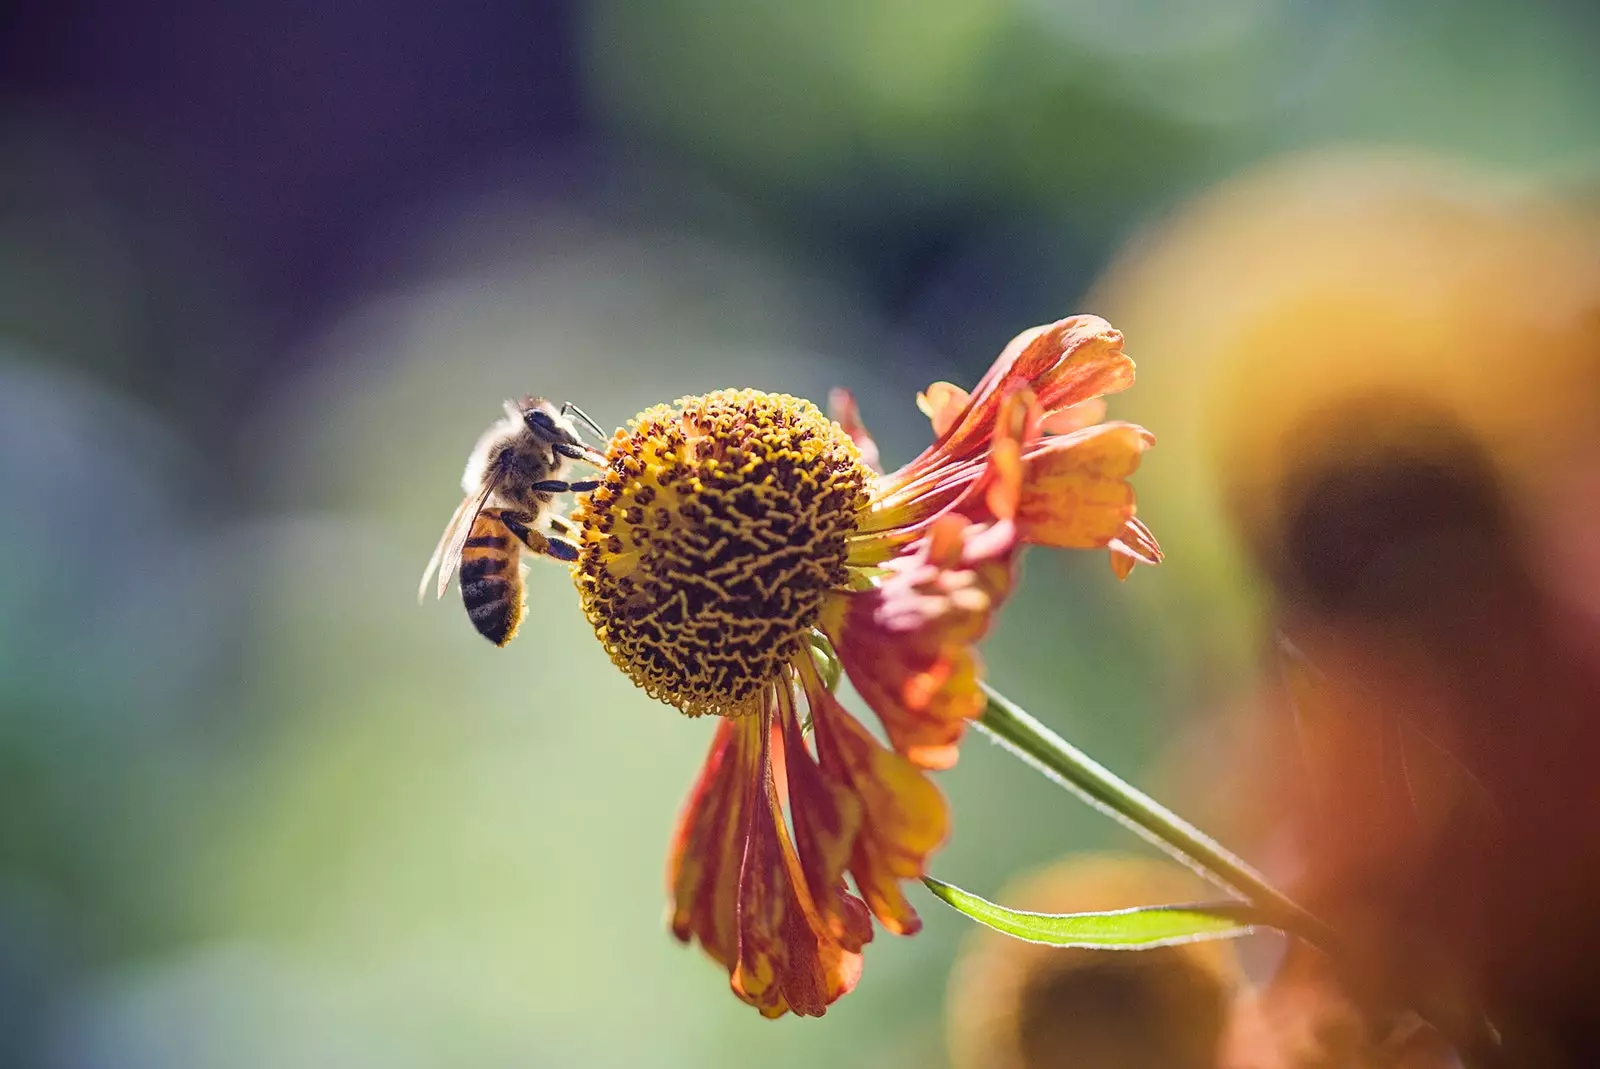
539, 421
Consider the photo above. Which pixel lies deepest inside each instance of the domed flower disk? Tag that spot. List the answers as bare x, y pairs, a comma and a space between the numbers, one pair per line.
743, 547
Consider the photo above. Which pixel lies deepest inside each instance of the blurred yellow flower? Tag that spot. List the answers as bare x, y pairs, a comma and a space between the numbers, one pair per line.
1017, 1005
1283, 303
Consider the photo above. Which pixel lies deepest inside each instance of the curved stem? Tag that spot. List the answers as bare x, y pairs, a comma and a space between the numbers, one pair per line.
1101, 788
1069, 766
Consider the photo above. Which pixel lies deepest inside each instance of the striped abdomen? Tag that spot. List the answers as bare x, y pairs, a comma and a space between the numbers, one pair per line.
491, 579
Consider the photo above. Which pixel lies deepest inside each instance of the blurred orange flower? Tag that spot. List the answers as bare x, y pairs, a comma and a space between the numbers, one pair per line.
1400, 420
743, 548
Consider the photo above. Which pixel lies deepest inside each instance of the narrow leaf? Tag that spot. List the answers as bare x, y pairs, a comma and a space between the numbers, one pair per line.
1140, 928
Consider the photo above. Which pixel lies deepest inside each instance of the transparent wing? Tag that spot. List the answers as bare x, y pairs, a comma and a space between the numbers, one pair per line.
447, 554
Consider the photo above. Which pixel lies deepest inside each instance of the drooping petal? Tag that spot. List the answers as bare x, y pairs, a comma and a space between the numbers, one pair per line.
1075, 491
739, 889
904, 817
906, 643
827, 819
787, 958
709, 846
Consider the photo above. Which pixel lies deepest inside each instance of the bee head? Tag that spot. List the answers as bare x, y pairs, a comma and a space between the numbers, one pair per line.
542, 419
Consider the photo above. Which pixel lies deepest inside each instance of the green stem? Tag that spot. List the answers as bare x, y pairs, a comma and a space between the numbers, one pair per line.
1106, 791
1069, 766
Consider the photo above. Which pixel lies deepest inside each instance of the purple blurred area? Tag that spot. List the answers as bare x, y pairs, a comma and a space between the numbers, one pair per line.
266, 154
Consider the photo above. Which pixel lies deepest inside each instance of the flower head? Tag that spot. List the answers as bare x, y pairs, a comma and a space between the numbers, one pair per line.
716, 538
742, 543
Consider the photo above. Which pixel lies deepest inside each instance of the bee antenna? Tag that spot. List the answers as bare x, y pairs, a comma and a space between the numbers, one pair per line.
570, 408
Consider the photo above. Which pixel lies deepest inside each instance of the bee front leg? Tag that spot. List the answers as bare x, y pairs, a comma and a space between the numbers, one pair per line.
561, 486
577, 451
520, 524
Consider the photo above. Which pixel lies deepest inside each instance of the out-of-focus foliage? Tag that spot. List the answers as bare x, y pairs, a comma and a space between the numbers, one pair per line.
1088, 108
263, 279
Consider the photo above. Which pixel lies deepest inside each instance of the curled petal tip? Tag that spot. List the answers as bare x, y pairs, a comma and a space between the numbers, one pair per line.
1135, 544
942, 403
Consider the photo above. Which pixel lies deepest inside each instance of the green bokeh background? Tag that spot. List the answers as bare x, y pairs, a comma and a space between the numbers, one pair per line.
258, 809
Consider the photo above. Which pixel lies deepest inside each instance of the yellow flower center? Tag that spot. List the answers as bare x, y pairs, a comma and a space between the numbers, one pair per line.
717, 534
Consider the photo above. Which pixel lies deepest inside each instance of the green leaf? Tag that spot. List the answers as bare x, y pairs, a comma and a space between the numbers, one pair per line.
1140, 928
828, 665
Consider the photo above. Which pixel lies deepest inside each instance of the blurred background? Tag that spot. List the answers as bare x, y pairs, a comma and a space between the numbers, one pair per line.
265, 274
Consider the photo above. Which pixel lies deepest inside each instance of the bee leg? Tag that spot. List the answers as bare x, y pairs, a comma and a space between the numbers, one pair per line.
560, 486
574, 451
559, 548
520, 524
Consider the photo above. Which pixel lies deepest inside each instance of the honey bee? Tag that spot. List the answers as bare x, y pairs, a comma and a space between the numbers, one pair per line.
513, 476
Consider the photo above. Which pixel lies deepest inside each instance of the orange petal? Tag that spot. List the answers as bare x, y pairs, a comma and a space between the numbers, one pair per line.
942, 403
1065, 363
787, 960
1017, 425
1134, 545
1075, 491
1085, 361
708, 848
907, 642
1075, 417
984, 489
827, 819
904, 817
843, 411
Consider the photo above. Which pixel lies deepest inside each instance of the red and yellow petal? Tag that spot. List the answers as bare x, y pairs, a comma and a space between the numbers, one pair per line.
1016, 425
904, 817
787, 959
1064, 363
906, 643
943, 402
1075, 418
708, 848
738, 887
827, 818
1074, 360
1075, 490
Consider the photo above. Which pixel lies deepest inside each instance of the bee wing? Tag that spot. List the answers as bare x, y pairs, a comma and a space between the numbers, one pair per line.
447, 554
